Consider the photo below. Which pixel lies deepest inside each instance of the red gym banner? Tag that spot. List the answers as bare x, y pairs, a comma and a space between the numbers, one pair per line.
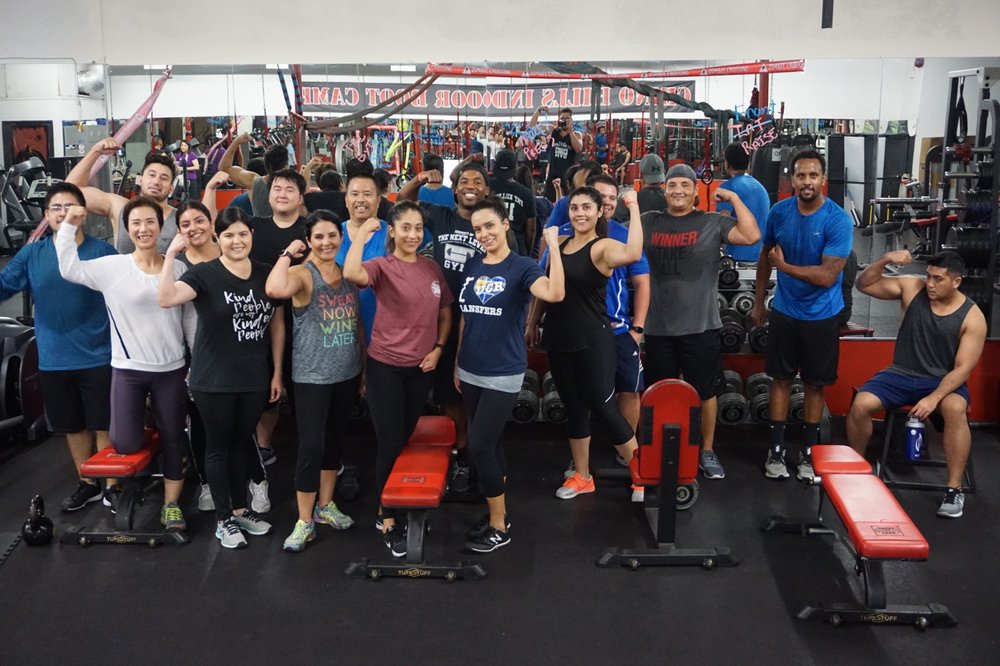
482, 101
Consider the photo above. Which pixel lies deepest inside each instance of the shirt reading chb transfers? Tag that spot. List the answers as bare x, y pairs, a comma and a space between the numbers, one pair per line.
232, 346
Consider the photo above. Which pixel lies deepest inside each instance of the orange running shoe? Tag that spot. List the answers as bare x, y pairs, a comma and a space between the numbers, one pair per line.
576, 485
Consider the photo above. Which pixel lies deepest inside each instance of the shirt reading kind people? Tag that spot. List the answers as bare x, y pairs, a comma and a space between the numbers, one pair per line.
683, 255
231, 357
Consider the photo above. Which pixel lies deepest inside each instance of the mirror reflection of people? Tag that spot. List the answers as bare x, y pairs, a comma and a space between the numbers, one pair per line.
189, 166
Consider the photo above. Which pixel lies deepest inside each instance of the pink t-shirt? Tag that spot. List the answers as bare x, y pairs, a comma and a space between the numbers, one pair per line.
409, 295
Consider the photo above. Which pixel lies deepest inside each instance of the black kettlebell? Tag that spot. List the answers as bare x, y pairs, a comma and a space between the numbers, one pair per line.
37, 529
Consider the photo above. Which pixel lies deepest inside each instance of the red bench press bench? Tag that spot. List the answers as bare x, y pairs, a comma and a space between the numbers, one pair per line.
416, 485
666, 465
878, 530
128, 469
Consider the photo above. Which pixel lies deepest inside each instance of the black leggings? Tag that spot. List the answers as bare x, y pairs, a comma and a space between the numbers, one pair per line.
255, 465
229, 421
321, 413
396, 398
585, 380
129, 390
488, 410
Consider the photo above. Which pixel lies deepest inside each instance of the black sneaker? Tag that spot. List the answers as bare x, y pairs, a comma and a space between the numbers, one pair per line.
112, 496
490, 539
461, 478
84, 494
395, 541
479, 528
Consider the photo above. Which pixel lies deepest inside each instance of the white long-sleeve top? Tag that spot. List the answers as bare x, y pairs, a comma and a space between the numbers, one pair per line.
144, 336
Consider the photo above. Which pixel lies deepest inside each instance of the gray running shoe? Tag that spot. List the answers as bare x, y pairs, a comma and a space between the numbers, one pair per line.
774, 466
205, 501
229, 535
710, 466
952, 504
302, 534
252, 524
259, 500
804, 470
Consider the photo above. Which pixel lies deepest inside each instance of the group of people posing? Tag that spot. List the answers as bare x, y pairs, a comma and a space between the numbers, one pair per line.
212, 315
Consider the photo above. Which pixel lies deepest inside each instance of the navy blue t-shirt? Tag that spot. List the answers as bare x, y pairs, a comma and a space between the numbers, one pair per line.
804, 240
493, 300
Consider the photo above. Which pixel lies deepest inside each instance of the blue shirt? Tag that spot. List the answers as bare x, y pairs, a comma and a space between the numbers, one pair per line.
560, 214
616, 298
375, 247
442, 196
242, 201
755, 197
804, 240
71, 321
494, 302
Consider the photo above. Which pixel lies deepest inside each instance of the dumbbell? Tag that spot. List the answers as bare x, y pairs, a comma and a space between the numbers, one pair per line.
360, 409
526, 406
729, 278
726, 262
768, 301
797, 408
734, 382
531, 381
732, 334
798, 386
758, 384
733, 408
553, 409
723, 303
760, 407
758, 339
548, 384
743, 302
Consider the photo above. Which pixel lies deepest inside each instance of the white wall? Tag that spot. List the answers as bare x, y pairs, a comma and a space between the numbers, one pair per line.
45, 92
142, 32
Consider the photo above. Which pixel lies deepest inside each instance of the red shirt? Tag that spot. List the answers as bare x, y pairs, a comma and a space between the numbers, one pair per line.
408, 297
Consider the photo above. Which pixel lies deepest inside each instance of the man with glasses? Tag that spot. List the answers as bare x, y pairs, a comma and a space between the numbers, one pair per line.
74, 342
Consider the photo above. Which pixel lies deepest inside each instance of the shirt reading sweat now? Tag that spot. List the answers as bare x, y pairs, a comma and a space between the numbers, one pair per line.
683, 255
409, 296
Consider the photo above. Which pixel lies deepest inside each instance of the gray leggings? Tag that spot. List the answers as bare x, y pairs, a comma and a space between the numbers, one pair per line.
129, 390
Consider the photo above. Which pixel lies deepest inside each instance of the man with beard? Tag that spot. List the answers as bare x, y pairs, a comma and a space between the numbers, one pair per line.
156, 180
455, 245
807, 240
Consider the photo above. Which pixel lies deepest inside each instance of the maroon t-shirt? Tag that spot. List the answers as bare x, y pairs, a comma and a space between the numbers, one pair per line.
409, 295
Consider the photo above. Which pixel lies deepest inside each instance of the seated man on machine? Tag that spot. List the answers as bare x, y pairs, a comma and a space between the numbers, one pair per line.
938, 344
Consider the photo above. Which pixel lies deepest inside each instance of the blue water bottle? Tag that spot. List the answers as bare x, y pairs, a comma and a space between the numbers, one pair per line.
914, 438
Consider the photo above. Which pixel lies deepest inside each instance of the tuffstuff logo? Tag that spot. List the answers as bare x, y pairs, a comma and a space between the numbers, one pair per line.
121, 538
486, 287
413, 572
887, 531
879, 618
414, 479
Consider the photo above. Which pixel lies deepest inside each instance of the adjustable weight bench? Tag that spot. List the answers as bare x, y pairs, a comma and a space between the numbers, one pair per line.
878, 530
416, 485
666, 464
128, 469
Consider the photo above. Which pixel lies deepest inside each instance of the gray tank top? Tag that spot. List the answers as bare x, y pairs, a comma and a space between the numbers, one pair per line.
167, 233
259, 192
926, 344
326, 347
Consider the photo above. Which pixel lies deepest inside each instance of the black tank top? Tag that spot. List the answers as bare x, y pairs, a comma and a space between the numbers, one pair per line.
563, 155
926, 343
581, 317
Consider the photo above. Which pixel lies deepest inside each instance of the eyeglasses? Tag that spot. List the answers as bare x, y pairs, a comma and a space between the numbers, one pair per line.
58, 208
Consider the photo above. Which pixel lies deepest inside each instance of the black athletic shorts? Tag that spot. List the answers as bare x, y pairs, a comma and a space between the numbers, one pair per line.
77, 400
628, 370
810, 348
445, 392
698, 357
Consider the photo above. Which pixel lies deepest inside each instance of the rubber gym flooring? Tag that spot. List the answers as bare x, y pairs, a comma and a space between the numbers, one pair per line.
543, 600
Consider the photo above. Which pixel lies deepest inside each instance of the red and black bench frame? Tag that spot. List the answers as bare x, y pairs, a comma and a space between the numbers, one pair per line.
666, 464
416, 486
132, 472
878, 531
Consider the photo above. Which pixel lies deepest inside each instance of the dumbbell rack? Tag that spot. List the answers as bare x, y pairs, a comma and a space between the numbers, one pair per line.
975, 234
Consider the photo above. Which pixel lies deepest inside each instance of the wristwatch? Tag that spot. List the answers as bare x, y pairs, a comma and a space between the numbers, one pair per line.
637, 329
285, 253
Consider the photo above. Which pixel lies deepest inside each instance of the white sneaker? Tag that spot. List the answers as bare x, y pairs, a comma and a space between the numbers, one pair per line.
259, 501
205, 502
